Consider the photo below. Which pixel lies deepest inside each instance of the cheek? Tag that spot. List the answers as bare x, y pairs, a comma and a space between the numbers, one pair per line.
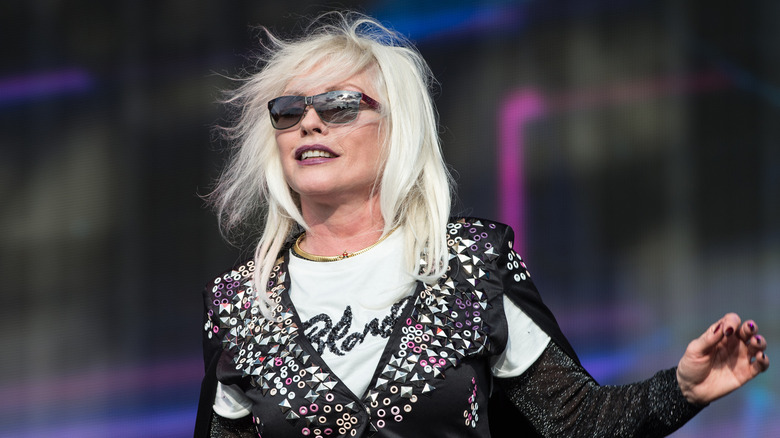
284, 143
375, 148
370, 139
286, 164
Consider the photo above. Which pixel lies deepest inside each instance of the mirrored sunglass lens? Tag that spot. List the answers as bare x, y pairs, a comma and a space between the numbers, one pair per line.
337, 107
286, 111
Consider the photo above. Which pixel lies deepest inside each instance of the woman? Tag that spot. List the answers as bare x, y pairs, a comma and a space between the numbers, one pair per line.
367, 311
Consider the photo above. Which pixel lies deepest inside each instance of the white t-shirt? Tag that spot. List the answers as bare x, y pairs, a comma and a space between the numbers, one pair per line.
349, 308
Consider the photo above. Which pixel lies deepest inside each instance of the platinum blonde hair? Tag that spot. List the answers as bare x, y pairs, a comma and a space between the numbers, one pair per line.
415, 188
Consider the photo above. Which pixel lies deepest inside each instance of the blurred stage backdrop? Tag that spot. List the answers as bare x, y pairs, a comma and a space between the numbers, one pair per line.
634, 145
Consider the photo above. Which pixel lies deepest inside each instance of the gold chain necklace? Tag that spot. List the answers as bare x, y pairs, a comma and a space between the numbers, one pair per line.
317, 258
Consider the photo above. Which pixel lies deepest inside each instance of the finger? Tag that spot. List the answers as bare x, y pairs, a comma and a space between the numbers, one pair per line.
724, 327
709, 338
760, 364
731, 323
747, 330
756, 344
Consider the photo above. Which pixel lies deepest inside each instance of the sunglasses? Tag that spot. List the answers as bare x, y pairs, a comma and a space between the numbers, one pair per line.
332, 107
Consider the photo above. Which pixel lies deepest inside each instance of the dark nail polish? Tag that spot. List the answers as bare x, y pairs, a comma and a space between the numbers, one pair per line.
758, 338
752, 327
717, 327
729, 331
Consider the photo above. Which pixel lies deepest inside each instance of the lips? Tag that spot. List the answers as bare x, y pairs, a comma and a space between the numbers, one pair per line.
308, 152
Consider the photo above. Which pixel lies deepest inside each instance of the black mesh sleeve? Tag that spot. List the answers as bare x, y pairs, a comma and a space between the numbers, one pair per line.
225, 428
561, 399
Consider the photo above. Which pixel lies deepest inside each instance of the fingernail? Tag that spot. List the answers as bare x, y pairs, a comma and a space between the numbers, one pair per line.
752, 327
758, 338
717, 327
729, 331
763, 356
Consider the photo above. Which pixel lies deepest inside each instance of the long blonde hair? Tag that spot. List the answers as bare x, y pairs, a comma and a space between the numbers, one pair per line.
415, 188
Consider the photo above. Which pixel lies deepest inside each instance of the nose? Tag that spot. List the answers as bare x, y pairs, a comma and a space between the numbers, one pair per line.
311, 122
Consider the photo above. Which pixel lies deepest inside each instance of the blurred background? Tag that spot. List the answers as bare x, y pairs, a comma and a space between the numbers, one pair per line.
633, 145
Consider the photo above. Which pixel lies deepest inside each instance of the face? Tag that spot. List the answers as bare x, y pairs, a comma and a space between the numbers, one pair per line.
332, 163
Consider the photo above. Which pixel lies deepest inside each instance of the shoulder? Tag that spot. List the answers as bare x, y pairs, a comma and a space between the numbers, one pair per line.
489, 244
231, 280
480, 234
477, 223
226, 297
238, 278
484, 244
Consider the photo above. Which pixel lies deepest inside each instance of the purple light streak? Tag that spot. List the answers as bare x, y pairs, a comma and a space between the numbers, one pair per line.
528, 104
16, 89
97, 385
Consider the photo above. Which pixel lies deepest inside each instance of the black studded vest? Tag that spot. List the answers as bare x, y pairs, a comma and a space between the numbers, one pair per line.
433, 378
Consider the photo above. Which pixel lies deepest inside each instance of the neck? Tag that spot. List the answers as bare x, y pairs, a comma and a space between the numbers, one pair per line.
345, 227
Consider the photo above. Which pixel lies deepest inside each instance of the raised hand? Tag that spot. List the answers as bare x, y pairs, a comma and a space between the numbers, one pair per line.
722, 359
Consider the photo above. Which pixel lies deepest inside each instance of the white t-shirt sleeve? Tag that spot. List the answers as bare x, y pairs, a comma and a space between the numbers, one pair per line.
231, 402
525, 343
